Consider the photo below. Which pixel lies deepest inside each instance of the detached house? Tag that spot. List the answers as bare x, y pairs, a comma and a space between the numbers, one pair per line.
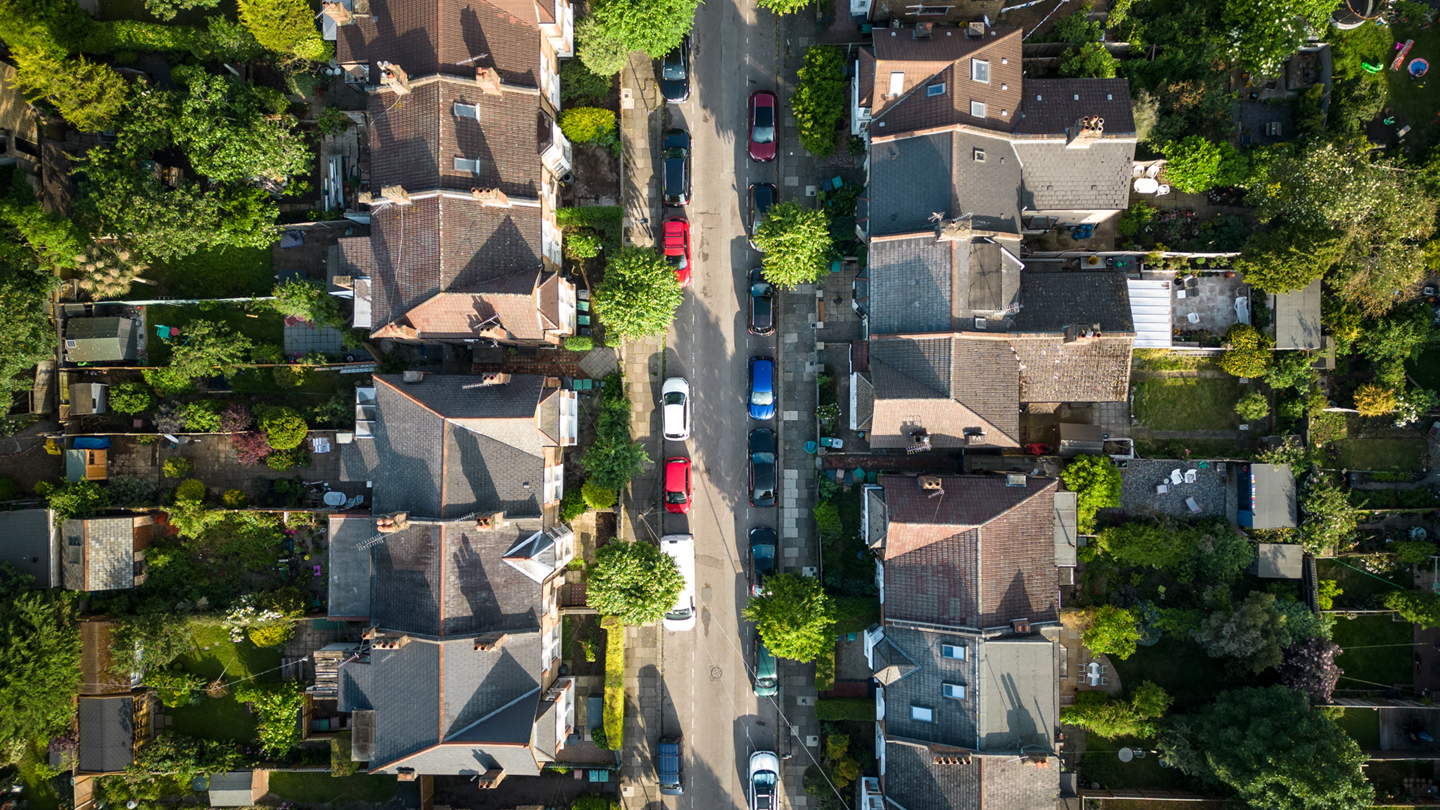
466, 154
968, 703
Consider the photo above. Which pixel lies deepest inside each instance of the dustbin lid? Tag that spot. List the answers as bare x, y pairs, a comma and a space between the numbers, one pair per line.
334, 498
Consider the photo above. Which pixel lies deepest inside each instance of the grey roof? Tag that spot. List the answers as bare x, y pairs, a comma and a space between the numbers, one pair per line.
956, 721
349, 560
903, 183
1019, 704
99, 554
1067, 528
921, 284
1057, 177
1279, 561
1273, 496
914, 779
988, 189
1052, 301
27, 542
450, 579
231, 789
1297, 318
107, 733
100, 340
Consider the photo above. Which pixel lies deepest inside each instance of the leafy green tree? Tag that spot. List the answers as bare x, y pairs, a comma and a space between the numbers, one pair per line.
278, 706
28, 335
1097, 482
1112, 631
601, 51
1252, 633
827, 521
1262, 34
182, 758
1089, 61
285, 27
284, 428
300, 298
235, 131
598, 497
1268, 745
167, 9
1249, 352
1412, 552
209, 348
635, 582
795, 617
639, 294
39, 660
586, 124
617, 27
1253, 406
1416, 607
1198, 164
87, 94
1402, 334
149, 640
1290, 369
796, 242
784, 6
1113, 717
1328, 516
79, 500
580, 86
176, 688
819, 99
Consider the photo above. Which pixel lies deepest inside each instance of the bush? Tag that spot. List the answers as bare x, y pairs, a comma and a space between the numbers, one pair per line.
271, 635
1253, 406
582, 245
834, 709
820, 98
236, 418
282, 460
579, 343
10, 489
614, 682
202, 416
598, 497
131, 398
175, 688
1097, 482
580, 85
285, 27
1373, 400
1111, 631
1249, 353
234, 499
178, 467
284, 429
572, 505
128, 490
1197, 164
1416, 607
190, 490
586, 124
250, 447
278, 706
825, 671
827, 521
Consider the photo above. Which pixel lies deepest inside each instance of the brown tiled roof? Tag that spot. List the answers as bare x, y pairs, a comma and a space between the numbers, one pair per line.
1050, 106
425, 37
415, 139
866, 74
1095, 370
945, 57
509, 302
548, 292
979, 555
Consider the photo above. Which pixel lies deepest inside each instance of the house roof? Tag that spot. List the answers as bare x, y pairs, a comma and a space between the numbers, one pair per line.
446, 37
1297, 318
100, 340
95, 660
1057, 177
414, 144
921, 284
511, 303
443, 450
28, 542
904, 194
1271, 500
444, 707
107, 733
1278, 561
947, 385
980, 555
1051, 106
914, 778
945, 57
99, 554
349, 563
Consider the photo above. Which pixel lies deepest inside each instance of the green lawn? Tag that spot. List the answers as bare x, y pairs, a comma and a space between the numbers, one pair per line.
1188, 403
1180, 667
1101, 763
1389, 455
322, 788
214, 719
1377, 652
217, 273
1416, 101
1363, 726
856, 613
236, 661
1362, 590
1426, 370
1166, 360
266, 327
1199, 448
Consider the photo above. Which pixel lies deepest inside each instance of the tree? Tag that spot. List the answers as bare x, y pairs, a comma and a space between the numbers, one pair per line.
613, 460
1139, 542
1328, 516
285, 27
784, 6
1413, 552
87, 94
639, 294
1290, 369
28, 336
1309, 667
1097, 482
1416, 607
1403, 334
284, 428
1374, 400
209, 348
1249, 352
1197, 164
819, 100
598, 497
1288, 257
795, 617
1111, 631
79, 500
279, 707
635, 582
1144, 107
1258, 631
235, 131
307, 300
618, 27
586, 124
1112, 717
1268, 745
1263, 33
1089, 61
182, 758
601, 51
167, 9
1253, 406
797, 244
39, 660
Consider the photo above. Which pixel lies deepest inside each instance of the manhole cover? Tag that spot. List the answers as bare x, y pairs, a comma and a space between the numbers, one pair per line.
715, 673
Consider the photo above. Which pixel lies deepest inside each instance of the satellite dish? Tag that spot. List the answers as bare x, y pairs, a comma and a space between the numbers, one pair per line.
1126, 755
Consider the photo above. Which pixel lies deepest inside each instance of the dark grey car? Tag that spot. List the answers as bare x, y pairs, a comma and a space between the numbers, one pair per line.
762, 468
676, 168
675, 73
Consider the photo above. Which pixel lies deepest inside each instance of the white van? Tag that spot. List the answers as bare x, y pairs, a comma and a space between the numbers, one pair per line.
681, 548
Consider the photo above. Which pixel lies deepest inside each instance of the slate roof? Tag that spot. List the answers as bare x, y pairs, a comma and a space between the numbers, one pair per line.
425, 38
1056, 177
920, 284
445, 451
945, 57
1050, 106
1052, 301
913, 780
414, 142
981, 555
99, 554
903, 191
955, 721
349, 563
26, 542
107, 733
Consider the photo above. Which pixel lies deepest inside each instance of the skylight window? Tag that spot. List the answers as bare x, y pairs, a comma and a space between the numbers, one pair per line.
922, 714
467, 111
935, 90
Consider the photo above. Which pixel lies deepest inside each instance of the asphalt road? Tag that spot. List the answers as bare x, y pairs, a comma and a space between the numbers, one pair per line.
706, 682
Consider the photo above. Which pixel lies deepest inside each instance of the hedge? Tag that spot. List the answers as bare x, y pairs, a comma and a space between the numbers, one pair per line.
830, 709
615, 683
825, 670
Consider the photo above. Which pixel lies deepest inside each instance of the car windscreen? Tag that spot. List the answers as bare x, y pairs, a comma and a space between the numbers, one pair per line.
675, 497
764, 198
764, 124
763, 552
678, 615
674, 398
674, 69
762, 397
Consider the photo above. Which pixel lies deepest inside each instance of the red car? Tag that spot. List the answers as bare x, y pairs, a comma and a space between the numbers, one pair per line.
677, 485
675, 236
762, 126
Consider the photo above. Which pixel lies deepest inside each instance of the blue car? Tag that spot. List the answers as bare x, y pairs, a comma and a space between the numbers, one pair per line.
762, 388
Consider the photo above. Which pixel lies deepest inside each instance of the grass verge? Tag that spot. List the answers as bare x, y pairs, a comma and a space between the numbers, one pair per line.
1188, 403
614, 682
322, 788
1377, 651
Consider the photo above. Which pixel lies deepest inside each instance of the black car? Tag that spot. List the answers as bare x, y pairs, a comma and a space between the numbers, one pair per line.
762, 196
675, 73
676, 147
762, 467
762, 557
762, 304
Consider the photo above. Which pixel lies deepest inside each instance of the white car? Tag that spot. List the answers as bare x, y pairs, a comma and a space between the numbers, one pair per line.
764, 776
681, 549
675, 409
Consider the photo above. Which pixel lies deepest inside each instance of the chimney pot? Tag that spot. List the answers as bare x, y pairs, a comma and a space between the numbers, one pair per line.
488, 80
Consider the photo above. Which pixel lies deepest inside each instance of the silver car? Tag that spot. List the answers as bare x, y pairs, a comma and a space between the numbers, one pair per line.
675, 409
764, 776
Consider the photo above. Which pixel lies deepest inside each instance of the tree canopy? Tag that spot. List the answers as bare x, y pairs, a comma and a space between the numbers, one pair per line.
1097, 482
1263, 33
819, 100
1111, 630
795, 617
39, 660
617, 27
797, 244
1097, 712
87, 94
635, 582
639, 294
236, 131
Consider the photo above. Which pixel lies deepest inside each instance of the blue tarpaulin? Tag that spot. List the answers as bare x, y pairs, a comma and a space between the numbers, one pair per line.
91, 443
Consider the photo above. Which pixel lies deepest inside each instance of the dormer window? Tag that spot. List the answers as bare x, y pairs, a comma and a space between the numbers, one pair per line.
980, 70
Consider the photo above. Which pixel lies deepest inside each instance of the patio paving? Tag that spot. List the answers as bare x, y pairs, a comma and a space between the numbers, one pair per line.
305, 338
1212, 302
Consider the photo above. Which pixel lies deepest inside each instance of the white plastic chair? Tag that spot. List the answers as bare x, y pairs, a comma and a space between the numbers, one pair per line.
1162, 191
1175, 476
1190, 476
1153, 170
1192, 317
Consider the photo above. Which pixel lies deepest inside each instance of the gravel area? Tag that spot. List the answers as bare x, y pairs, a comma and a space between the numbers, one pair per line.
1138, 495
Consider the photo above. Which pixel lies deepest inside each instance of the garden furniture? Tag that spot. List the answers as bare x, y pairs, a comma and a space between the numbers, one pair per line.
1175, 476
1190, 476
1194, 507
1161, 489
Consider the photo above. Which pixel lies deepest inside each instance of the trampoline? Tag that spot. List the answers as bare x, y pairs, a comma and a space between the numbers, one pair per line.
1417, 67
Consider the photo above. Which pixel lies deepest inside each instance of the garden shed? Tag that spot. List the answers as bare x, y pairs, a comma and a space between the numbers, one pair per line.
30, 542
1267, 496
1278, 561
238, 788
100, 340
1297, 318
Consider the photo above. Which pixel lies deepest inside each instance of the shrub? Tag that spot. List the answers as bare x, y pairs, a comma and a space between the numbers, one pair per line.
1412, 552
236, 418
271, 635
285, 27
827, 521
308, 300
820, 98
279, 708
825, 671
1373, 400
1197, 164
288, 376
1326, 592
1112, 631
340, 762
202, 416
1100, 714
128, 490
572, 505
1249, 353
586, 124
10, 489
582, 245
579, 84
579, 343
190, 490
1097, 482
175, 688
284, 429
834, 709
598, 497
1417, 607
267, 353
178, 467
1253, 406
131, 398
234, 499
250, 447
282, 460
614, 682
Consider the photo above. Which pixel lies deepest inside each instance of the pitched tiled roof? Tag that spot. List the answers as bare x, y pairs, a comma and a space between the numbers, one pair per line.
1053, 301
980, 555
1060, 178
945, 56
1050, 106
920, 284
955, 722
947, 385
904, 192
425, 37
99, 554
1096, 370
914, 779
415, 139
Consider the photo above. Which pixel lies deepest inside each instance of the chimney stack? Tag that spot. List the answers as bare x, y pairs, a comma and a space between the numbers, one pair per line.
490, 521
490, 197
975, 29
1085, 131
922, 30
490, 642
488, 80
396, 195
337, 12
395, 78
959, 229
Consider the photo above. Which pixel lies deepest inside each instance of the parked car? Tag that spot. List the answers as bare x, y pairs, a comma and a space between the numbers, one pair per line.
762, 196
681, 549
766, 684
675, 73
670, 766
677, 485
676, 168
762, 126
764, 774
762, 388
762, 467
675, 239
762, 304
675, 409
762, 557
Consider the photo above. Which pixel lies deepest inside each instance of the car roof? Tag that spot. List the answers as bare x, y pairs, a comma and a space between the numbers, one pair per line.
676, 137
675, 473
764, 371
766, 438
761, 190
